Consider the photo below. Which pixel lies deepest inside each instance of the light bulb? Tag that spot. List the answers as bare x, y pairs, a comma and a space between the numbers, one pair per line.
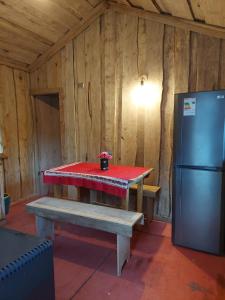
146, 93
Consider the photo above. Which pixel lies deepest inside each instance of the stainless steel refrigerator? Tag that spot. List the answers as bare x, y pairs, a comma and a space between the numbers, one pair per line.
198, 171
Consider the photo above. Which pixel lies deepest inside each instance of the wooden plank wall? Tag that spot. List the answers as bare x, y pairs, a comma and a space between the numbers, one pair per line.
109, 58
16, 126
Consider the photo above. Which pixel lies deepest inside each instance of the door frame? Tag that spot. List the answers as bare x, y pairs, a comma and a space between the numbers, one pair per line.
45, 92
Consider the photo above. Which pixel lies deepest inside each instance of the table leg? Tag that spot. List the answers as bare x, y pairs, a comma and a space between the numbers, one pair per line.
93, 196
140, 196
126, 201
77, 192
57, 190
74, 193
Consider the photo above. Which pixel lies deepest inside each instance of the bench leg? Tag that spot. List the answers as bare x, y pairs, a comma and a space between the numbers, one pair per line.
123, 252
44, 228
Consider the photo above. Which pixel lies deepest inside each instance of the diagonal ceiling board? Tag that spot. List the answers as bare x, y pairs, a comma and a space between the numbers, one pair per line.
35, 11
145, 4
210, 11
13, 63
9, 50
50, 9
94, 3
126, 2
21, 41
95, 13
179, 8
66, 6
7, 39
23, 32
81, 8
19, 14
198, 10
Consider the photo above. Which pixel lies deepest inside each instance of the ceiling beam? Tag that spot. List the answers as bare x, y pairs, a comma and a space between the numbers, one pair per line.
214, 31
71, 34
13, 63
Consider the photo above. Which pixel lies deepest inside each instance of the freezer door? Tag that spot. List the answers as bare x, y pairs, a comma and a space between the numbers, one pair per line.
197, 210
199, 129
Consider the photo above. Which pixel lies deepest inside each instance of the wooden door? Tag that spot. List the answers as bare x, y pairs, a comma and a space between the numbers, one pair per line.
48, 136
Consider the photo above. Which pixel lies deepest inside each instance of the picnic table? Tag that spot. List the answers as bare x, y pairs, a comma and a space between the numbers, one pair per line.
115, 181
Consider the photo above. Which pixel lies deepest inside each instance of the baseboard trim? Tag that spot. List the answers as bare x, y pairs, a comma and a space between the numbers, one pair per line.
28, 198
162, 219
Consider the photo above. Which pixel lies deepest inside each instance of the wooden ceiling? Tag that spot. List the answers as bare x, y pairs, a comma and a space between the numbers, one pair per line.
28, 28
31, 31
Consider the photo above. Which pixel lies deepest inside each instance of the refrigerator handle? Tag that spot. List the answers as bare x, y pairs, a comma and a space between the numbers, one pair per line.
204, 168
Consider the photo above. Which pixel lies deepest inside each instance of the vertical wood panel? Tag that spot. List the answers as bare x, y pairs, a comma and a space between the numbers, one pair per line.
17, 131
69, 149
181, 60
221, 76
2, 140
119, 37
39, 78
54, 72
80, 98
10, 128
164, 205
193, 62
204, 62
93, 88
208, 63
141, 48
108, 82
25, 133
2, 99
151, 64
130, 80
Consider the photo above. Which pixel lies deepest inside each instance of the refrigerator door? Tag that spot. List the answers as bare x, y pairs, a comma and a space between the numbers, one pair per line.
197, 211
199, 129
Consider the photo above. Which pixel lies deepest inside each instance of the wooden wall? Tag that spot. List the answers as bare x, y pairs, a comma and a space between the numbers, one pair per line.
17, 134
109, 58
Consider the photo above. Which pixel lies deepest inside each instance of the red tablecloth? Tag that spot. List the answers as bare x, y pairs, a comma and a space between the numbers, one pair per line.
114, 181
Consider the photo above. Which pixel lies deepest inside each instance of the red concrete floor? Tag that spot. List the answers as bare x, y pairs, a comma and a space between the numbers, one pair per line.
85, 265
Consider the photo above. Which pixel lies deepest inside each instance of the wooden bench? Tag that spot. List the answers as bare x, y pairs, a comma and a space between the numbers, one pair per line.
150, 192
120, 222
